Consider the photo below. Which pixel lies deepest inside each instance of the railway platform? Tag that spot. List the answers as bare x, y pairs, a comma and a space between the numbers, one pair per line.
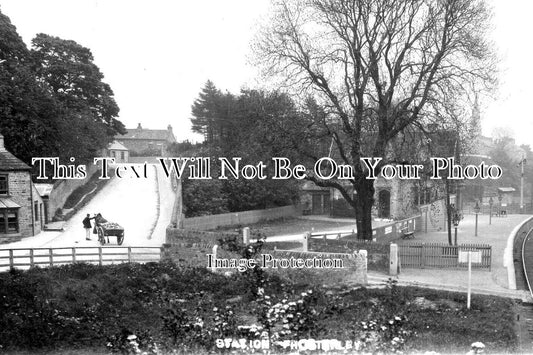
494, 282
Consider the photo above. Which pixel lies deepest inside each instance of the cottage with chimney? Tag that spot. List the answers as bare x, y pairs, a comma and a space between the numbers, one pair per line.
21, 207
145, 142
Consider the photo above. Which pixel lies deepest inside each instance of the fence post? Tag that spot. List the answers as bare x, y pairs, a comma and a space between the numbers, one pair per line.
305, 242
129, 254
100, 256
11, 261
31, 257
73, 255
422, 255
51, 256
246, 235
393, 267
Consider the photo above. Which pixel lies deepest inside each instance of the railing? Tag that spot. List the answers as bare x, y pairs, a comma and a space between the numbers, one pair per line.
437, 255
29, 257
337, 234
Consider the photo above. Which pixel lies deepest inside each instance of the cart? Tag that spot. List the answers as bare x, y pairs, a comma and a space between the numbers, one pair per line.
109, 229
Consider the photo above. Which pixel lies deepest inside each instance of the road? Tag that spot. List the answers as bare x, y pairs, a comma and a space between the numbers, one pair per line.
143, 206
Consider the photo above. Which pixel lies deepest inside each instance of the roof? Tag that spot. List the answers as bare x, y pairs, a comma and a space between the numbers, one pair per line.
44, 189
9, 162
6, 202
149, 134
116, 146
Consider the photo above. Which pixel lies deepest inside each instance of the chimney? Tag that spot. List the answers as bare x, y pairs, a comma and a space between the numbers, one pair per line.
169, 128
139, 126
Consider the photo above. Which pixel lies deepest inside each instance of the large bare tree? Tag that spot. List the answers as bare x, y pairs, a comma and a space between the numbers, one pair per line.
376, 68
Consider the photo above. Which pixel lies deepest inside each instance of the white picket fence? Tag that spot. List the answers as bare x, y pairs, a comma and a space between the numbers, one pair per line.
24, 258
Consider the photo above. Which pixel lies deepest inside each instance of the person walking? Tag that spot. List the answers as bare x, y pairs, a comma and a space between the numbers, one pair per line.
87, 226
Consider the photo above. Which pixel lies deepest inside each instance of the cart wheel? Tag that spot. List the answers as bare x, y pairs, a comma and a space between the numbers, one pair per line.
101, 238
120, 239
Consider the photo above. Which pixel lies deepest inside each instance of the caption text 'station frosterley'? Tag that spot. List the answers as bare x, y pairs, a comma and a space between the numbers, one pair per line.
199, 168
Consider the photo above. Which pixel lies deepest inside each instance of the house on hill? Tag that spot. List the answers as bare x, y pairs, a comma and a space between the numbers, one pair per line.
118, 151
146, 142
21, 207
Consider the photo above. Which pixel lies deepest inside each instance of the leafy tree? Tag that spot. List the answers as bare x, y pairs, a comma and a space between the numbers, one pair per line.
87, 110
376, 67
27, 111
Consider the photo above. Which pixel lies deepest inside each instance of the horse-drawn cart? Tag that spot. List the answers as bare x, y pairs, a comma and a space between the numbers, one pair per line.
107, 229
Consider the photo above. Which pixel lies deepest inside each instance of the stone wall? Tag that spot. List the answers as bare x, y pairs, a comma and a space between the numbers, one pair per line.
354, 270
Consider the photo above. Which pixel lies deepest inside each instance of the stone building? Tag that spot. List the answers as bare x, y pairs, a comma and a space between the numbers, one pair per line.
146, 142
21, 207
394, 199
117, 151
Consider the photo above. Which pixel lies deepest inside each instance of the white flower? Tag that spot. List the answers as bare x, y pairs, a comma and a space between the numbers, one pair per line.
132, 337
478, 345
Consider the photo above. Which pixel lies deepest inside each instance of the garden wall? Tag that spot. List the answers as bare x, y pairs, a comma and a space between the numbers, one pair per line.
239, 218
354, 269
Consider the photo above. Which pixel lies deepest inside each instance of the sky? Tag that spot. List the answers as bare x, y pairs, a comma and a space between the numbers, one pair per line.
157, 55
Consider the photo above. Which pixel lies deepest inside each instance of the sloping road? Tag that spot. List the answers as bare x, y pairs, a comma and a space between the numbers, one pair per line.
142, 206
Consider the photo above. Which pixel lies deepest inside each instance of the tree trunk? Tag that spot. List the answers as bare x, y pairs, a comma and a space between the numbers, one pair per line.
364, 200
448, 212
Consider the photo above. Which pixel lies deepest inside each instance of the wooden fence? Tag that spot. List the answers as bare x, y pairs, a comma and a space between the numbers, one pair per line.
27, 257
438, 255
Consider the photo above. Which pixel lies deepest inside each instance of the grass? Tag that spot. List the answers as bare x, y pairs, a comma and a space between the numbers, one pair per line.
86, 307
83, 195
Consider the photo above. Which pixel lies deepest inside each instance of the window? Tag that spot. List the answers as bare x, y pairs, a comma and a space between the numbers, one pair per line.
3, 185
9, 222
122, 156
36, 208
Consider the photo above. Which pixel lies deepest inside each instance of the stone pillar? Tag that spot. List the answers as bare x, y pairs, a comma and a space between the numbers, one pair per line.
246, 235
165, 252
393, 266
362, 266
305, 241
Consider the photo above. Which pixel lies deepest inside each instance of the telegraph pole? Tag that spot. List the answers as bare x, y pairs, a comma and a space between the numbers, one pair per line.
522, 163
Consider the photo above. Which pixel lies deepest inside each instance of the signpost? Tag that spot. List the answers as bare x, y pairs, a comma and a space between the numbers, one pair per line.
491, 202
476, 210
469, 257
